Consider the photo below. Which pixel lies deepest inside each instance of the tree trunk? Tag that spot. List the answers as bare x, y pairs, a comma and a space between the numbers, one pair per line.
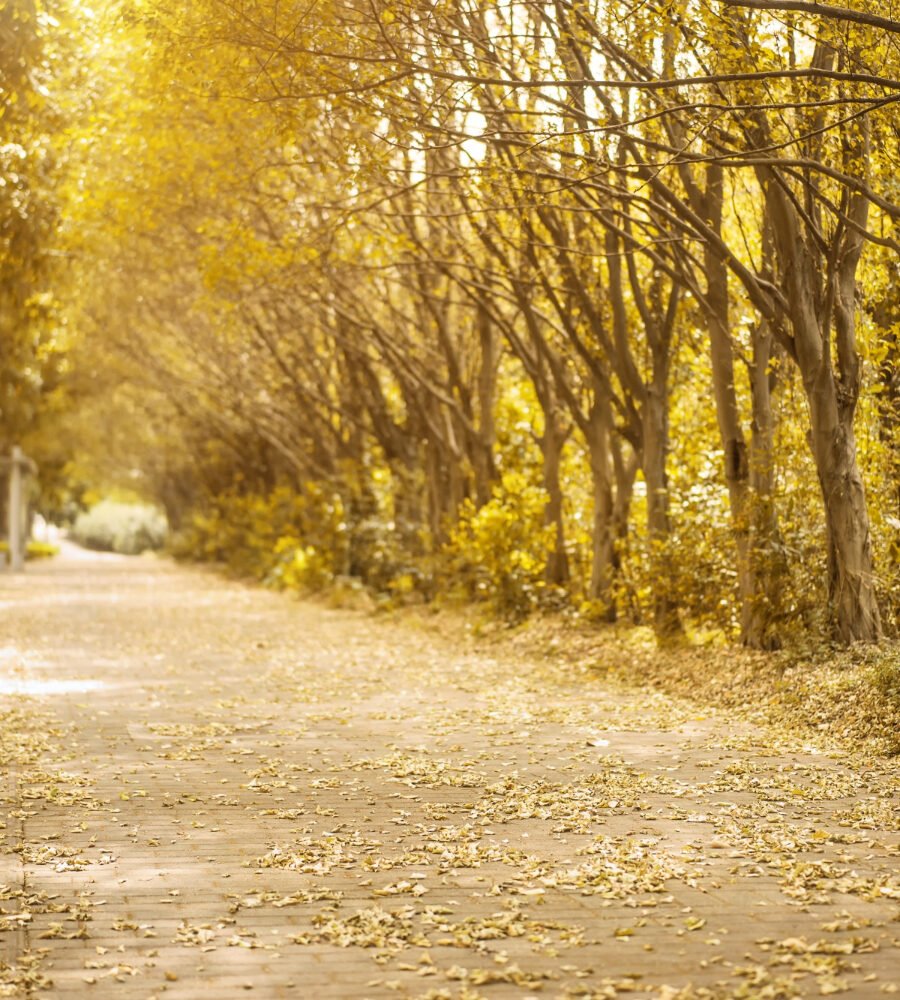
484, 467
604, 557
748, 477
832, 397
887, 315
653, 462
407, 494
552, 440
767, 567
434, 492
851, 579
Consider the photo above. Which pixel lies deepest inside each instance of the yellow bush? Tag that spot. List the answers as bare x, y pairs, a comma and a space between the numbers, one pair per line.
299, 566
498, 552
34, 550
288, 539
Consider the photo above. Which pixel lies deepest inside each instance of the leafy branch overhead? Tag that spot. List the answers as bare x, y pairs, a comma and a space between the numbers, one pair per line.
563, 303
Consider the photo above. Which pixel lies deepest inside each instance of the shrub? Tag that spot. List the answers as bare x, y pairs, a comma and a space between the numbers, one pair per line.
298, 566
885, 672
34, 550
499, 552
120, 527
41, 550
294, 541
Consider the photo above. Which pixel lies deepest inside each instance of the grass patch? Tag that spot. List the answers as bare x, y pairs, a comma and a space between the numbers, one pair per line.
34, 550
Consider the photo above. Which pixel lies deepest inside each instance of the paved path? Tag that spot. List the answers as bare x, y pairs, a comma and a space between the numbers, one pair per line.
211, 790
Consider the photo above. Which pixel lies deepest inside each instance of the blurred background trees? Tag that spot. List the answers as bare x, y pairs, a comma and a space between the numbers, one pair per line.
550, 303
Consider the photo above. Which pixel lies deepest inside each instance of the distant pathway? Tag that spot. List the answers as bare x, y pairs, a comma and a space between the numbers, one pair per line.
209, 790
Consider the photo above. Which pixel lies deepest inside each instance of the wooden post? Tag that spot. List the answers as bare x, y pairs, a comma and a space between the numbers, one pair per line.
19, 465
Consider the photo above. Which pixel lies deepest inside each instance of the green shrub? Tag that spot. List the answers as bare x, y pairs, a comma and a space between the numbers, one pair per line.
120, 527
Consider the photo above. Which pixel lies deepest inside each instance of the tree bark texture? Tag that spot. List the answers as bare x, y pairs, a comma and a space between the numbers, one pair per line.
832, 396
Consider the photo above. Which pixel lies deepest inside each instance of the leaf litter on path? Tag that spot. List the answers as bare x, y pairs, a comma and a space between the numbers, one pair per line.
223, 813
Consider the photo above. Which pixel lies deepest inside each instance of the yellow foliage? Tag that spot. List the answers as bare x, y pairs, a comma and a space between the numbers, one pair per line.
290, 540
499, 552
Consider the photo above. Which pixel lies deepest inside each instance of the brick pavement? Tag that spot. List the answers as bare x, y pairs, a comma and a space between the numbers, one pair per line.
211, 790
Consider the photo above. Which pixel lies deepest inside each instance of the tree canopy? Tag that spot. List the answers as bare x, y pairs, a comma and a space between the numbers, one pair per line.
543, 302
